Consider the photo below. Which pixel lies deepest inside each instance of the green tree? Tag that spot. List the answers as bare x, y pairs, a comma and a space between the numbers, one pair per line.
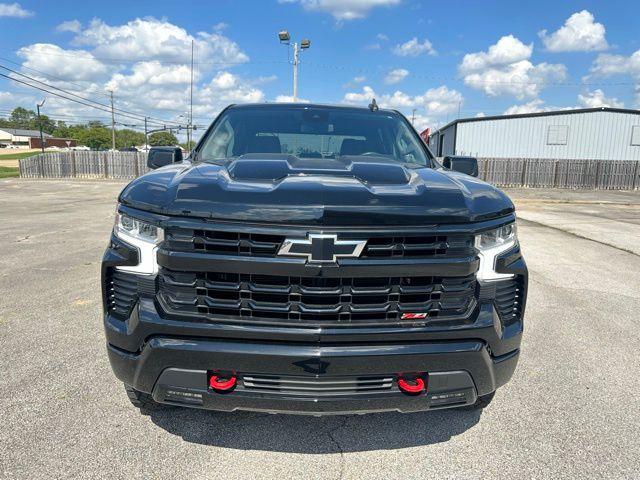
128, 138
162, 139
94, 137
22, 118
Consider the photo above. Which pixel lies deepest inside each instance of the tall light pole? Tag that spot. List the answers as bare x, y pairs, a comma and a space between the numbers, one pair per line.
190, 105
285, 39
38, 106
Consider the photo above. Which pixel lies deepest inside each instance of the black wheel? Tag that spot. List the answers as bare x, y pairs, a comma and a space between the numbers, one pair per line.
141, 400
482, 402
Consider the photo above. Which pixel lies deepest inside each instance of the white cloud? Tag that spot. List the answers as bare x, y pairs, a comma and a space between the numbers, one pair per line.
344, 9
220, 26
441, 100
534, 106
78, 65
606, 65
413, 48
382, 36
580, 33
506, 51
359, 97
150, 73
432, 107
505, 69
14, 10
73, 26
146, 63
597, 98
395, 76
289, 99
142, 39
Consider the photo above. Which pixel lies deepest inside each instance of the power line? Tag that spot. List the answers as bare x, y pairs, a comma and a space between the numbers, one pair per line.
73, 99
82, 87
120, 111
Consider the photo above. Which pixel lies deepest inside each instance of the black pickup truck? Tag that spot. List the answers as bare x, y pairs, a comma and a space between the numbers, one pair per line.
312, 259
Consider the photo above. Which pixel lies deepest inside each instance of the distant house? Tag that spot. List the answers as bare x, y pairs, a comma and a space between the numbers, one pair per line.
31, 139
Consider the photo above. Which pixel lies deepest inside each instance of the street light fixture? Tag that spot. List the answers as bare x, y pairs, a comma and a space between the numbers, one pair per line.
284, 36
285, 39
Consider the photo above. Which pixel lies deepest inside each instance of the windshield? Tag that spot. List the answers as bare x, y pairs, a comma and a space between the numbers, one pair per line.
313, 132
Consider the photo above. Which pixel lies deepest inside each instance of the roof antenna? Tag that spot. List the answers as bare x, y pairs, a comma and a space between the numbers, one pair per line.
373, 106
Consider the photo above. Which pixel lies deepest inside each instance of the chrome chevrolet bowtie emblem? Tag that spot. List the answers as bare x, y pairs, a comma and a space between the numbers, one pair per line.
322, 248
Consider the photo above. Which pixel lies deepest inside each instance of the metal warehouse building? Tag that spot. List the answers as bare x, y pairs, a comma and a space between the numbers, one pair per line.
582, 134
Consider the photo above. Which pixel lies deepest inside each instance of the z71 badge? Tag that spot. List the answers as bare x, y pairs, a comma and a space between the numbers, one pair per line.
413, 316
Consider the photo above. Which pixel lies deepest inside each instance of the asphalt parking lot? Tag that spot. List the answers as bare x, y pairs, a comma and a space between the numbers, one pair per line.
571, 410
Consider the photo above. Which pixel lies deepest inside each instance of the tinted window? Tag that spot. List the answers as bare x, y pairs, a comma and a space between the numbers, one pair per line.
312, 132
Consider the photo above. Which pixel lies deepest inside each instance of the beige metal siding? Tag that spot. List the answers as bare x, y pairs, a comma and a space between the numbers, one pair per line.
590, 135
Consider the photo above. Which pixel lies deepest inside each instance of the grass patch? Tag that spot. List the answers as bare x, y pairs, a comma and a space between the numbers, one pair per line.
17, 155
7, 172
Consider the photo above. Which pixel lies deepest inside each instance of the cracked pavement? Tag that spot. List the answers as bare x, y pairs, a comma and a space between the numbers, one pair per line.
571, 410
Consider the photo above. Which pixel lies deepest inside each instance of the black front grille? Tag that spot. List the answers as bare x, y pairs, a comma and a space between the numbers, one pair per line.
417, 246
314, 300
311, 386
509, 299
121, 293
224, 242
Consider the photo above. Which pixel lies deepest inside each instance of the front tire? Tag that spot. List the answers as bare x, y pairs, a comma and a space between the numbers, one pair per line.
141, 400
483, 401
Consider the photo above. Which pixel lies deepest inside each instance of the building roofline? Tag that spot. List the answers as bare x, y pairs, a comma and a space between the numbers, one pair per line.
539, 114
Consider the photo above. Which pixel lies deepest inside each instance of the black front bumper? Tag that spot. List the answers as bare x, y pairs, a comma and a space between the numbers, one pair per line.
174, 369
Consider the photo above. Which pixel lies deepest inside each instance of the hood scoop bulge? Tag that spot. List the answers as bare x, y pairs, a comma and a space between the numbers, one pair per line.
274, 168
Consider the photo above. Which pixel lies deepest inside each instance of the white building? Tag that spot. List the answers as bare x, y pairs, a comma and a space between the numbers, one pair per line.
590, 134
19, 137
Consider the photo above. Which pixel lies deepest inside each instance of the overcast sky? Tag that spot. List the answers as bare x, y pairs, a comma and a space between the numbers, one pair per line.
439, 58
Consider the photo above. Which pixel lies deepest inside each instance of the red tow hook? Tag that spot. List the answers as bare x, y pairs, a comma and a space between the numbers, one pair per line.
411, 385
222, 384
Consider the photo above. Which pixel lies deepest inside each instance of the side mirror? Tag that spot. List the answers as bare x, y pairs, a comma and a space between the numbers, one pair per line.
468, 165
161, 156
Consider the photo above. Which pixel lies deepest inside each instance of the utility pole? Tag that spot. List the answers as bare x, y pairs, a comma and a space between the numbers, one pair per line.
190, 105
38, 105
413, 116
146, 138
113, 124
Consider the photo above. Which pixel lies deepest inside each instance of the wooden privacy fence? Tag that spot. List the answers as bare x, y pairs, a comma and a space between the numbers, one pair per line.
564, 173
503, 172
84, 164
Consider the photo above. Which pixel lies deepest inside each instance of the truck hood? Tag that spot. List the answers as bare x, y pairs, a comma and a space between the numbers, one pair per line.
275, 188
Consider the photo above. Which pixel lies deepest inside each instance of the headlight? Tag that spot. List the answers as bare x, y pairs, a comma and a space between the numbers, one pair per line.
492, 243
142, 235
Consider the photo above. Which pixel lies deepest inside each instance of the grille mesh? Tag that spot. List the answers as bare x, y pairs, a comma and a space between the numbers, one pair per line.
329, 386
314, 300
